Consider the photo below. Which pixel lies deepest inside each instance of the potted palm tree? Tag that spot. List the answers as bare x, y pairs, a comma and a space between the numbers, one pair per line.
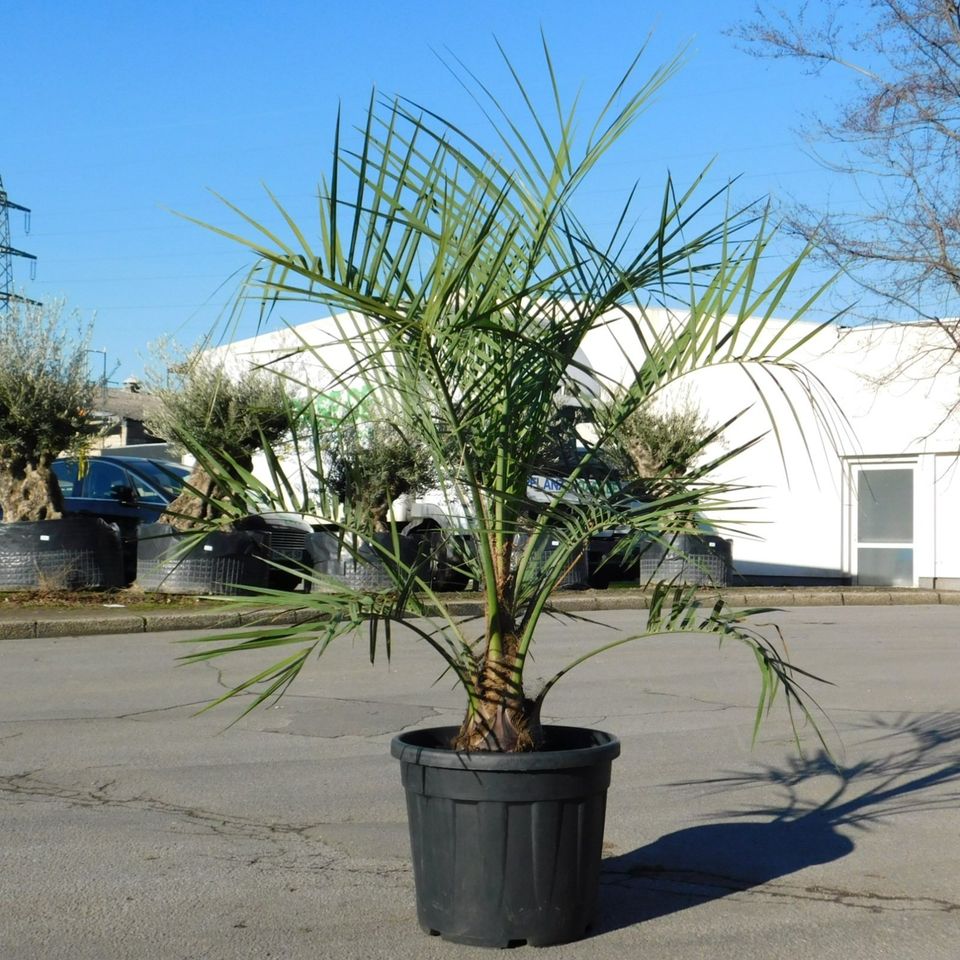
46, 407
465, 291
212, 538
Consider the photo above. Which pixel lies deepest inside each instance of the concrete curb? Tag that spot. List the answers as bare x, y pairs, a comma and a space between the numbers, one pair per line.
94, 622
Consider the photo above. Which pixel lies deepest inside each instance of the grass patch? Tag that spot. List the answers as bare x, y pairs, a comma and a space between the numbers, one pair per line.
130, 599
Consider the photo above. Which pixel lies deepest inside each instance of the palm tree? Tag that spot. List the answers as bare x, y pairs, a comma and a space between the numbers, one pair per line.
464, 287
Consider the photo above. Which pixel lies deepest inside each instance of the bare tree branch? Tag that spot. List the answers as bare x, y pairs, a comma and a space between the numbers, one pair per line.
896, 137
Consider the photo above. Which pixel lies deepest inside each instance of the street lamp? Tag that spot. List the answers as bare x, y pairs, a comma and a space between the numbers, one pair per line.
103, 378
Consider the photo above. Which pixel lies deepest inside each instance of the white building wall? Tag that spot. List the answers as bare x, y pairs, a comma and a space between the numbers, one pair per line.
896, 386
785, 519
887, 394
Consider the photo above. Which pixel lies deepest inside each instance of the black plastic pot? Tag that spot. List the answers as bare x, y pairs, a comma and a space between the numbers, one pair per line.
506, 846
577, 577
73, 553
367, 569
284, 543
691, 558
220, 564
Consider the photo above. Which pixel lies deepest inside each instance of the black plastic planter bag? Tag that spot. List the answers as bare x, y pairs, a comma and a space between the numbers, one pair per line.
367, 568
697, 559
73, 553
577, 577
218, 564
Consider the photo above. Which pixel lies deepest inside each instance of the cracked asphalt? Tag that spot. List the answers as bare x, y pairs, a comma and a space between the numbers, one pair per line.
134, 828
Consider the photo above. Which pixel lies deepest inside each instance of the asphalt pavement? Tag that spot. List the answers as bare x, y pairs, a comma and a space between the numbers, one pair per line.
133, 828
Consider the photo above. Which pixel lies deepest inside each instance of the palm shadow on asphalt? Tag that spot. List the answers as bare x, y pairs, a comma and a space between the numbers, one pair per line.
916, 767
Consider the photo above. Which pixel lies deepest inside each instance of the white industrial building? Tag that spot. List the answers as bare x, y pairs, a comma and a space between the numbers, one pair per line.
870, 496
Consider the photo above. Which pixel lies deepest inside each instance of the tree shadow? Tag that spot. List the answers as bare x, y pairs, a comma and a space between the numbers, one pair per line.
917, 768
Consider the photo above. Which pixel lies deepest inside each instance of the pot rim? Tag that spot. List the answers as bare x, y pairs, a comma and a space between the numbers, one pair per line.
419, 747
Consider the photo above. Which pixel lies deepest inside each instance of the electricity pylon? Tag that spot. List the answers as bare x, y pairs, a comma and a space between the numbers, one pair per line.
7, 253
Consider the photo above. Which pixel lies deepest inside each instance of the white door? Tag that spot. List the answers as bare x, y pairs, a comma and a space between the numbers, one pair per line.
882, 523
947, 504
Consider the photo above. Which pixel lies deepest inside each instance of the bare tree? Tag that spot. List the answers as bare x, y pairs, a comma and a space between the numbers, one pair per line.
895, 135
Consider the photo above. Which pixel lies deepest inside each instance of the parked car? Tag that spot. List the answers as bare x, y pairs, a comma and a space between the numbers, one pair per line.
119, 488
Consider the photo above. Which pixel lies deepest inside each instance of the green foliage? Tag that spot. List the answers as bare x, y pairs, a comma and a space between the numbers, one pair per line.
46, 394
463, 290
372, 465
658, 449
45, 405
205, 409
665, 444
221, 419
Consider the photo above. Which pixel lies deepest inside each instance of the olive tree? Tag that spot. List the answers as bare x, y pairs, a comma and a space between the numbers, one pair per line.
217, 416
371, 465
661, 447
46, 397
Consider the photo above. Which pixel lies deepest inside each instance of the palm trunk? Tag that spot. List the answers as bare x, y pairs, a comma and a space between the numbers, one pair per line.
502, 719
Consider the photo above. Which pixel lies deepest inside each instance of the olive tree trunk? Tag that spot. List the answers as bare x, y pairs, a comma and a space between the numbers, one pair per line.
202, 498
191, 508
28, 489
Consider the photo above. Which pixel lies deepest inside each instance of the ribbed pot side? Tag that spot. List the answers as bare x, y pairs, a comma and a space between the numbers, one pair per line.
506, 847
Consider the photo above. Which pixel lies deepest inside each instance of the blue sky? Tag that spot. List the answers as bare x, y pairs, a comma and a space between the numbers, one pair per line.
122, 112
